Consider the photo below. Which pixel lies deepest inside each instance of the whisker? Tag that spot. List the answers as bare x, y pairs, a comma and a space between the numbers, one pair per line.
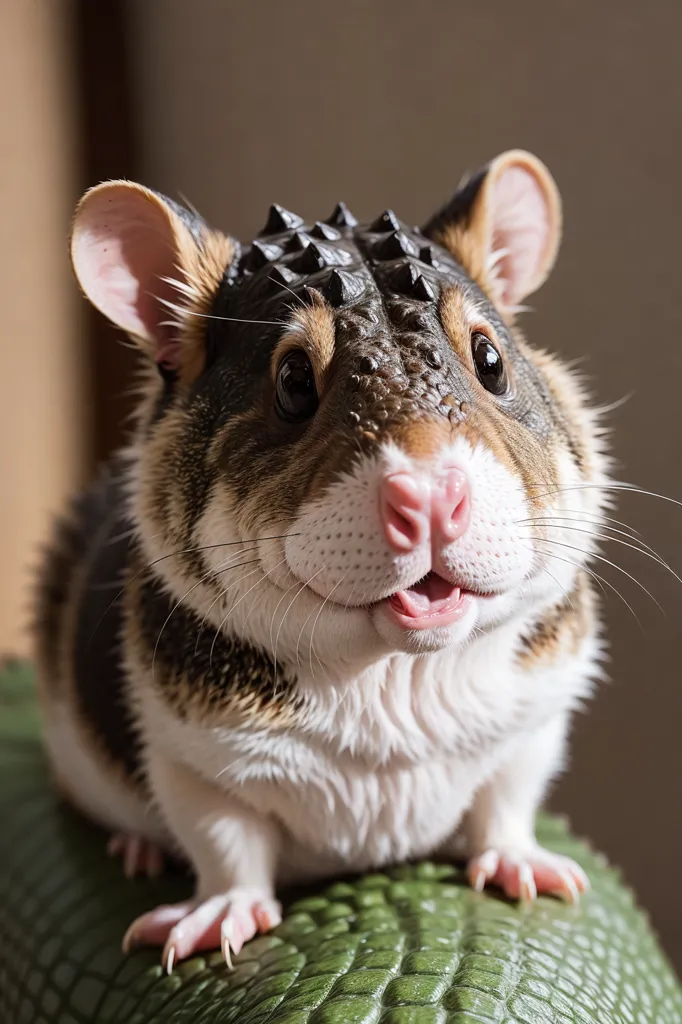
275, 566
282, 285
289, 606
640, 546
562, 589
223, 592
601, 580
272, 624
612, 486
350, 597
231, 765
232, 607
600, 558
574, 512
182, 311
312, 632
173, 554
177, 605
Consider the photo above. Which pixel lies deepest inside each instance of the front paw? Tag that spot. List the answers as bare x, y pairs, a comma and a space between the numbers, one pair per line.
526, 872
224, 921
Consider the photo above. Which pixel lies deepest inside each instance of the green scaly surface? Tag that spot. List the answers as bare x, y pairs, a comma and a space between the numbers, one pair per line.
413, 945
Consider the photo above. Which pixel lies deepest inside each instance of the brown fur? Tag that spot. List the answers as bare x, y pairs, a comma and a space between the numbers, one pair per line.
562, 628
203, 267
569, 402
423, 438
314, 326
454, 320
466, 243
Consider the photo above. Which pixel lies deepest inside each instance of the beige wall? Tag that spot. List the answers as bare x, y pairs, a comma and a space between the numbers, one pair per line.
388, 102
42, 403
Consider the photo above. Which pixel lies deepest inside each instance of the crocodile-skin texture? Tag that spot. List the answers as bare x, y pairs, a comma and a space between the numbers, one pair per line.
411, 946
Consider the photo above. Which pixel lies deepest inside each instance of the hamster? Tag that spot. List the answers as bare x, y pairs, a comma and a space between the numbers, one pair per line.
331, 607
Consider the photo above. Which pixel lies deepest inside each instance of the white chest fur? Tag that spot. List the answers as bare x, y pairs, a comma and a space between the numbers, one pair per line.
382, 766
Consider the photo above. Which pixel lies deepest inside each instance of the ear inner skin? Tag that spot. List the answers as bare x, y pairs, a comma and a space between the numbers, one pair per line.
123, 245
504, 226
147, 264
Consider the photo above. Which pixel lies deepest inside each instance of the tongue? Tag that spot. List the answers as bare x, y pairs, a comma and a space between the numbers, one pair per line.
431, 596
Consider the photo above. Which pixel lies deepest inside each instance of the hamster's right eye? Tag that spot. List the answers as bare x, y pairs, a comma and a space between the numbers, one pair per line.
295, 392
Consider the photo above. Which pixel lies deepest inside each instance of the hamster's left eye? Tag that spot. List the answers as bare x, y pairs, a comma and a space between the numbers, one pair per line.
489, 365
295, 392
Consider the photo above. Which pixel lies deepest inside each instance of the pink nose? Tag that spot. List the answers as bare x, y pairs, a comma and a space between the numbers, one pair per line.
413, 510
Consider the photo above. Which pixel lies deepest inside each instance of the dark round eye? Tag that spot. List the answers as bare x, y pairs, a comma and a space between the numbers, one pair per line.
295, 391
489, 366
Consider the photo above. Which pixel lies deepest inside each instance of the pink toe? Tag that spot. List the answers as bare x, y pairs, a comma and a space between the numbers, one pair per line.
153, 928
507, 878
154, 861
131, 856
200, 929
266, 916
115, 845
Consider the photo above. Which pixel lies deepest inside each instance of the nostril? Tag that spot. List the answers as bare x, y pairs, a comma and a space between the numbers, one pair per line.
403, 511
460, 512
402, 533
452, 509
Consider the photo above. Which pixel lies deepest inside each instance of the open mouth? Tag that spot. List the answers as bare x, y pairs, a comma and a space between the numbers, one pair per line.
431, 602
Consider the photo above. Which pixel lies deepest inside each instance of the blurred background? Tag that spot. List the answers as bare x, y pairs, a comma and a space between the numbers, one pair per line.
380, 103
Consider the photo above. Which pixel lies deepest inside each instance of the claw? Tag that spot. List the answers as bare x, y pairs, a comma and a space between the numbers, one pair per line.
225, 921
482, 869
523, 874
169, 959
225, 947
527, 889
569, 888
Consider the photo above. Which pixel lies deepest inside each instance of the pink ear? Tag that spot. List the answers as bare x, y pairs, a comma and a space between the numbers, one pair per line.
124, 243
523, 225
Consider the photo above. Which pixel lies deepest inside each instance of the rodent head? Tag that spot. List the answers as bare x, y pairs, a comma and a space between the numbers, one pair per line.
351, 409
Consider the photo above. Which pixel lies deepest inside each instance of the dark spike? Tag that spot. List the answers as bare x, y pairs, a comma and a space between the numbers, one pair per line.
426, 254
386, 222
341, 217
423, 290
297, 242
282, 276
342, 288
280, 220
394, 246
405, 278
321, 230
310, 261
261, 254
